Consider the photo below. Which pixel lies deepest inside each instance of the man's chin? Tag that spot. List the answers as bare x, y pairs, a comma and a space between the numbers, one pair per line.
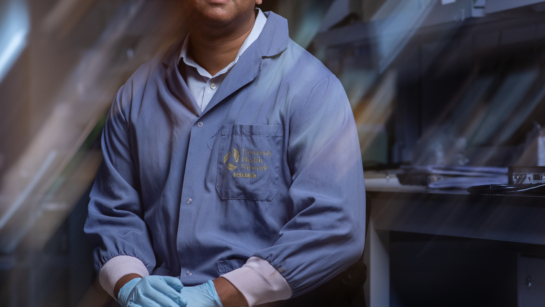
217, 17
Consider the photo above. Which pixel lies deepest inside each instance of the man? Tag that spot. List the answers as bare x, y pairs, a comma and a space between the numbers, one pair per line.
231, 166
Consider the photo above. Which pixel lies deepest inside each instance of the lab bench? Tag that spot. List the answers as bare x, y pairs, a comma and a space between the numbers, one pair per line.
492, 245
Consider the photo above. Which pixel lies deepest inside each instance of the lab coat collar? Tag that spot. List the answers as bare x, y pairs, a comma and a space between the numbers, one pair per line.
177, 86
273, 40
275, 36
244, 72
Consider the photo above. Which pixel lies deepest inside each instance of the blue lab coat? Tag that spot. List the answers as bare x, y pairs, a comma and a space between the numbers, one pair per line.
271, 168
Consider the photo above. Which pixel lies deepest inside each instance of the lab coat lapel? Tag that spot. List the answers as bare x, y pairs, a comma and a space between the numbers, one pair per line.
245, 71
176, 82
273, 40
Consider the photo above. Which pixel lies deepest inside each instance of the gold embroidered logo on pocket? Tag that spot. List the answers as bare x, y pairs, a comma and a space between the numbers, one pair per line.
252, 160
236, 155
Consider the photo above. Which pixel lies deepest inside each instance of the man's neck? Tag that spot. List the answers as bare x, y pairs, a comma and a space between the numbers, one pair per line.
214, 48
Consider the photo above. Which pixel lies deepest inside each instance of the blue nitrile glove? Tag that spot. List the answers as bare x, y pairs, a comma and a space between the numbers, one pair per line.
152, 291
203, 295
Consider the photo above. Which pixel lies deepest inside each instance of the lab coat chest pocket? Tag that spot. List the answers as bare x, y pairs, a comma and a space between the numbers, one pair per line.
249, 160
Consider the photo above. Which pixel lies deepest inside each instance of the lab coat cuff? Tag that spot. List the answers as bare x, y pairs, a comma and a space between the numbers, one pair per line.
118, 267
259, 282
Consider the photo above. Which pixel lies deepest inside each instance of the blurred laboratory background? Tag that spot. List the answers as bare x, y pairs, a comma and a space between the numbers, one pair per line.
447, 94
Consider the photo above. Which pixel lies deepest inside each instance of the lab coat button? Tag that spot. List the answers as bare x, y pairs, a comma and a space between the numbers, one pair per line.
213, 86
200, 124
189, 201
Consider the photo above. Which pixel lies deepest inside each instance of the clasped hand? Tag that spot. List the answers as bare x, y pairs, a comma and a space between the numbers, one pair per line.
165, 291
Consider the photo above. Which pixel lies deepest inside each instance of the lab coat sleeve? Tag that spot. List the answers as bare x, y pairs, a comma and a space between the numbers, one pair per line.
115, 222
326, 233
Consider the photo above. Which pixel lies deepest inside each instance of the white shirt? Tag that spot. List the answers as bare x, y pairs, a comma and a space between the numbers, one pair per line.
257, 280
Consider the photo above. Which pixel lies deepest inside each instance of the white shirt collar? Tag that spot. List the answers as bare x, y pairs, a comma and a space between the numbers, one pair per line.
259, 24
